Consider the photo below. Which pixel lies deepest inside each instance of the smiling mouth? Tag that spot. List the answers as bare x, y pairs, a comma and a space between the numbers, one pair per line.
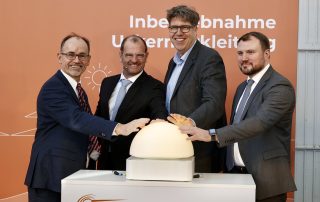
179, 40
76, 68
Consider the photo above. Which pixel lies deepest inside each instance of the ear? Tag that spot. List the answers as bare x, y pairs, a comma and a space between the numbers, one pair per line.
267, 53
120, 56
59, 56
89, 59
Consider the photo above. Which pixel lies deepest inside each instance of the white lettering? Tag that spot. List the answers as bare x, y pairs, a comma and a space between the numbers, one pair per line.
116, 44
230, 41
271, 24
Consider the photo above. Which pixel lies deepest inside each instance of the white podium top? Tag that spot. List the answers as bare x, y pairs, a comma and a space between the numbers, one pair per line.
107, 185
205, 180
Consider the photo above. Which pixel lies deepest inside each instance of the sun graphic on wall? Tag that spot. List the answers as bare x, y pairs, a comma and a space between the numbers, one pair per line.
96, 75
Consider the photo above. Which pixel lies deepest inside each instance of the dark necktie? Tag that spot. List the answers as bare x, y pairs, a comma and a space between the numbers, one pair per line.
122, 92
93, 140
237, 119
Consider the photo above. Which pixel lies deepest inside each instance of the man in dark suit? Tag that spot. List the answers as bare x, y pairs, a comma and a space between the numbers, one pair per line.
196, 84
259, 137
64, 124
145, 97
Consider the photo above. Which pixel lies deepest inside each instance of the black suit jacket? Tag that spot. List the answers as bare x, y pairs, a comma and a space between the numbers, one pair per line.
144, 99
200, 94
61, 140
263, 134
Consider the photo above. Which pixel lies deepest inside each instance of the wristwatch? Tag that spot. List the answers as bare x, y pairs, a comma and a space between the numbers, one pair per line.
213, 134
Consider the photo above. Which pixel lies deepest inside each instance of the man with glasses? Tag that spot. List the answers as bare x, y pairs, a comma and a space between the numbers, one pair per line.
196, 84
65, 123
259, 138
144, 97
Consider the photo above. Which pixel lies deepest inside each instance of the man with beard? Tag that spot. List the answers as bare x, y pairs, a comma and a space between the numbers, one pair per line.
65, 123
259, 138
144, 97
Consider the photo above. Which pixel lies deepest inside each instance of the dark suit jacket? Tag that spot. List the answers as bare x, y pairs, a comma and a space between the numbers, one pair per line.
61, 140
145, 98
264, 134
200, 94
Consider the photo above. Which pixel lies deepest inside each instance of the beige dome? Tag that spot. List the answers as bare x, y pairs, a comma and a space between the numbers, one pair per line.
161, 140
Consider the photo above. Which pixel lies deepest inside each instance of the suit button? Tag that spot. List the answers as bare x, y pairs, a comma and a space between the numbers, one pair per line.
103, 135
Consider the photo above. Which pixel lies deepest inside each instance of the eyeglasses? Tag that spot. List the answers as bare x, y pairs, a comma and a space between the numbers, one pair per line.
183, 28
139, 56
72, 56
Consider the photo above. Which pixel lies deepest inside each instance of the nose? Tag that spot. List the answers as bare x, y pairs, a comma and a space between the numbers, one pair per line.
76, 59
179, 31
134, 58
244, 57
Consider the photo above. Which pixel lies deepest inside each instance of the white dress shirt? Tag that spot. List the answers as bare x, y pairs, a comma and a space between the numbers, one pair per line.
113, 98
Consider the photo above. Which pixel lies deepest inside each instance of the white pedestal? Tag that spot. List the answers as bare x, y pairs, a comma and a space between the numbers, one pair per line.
104, 185
160, 169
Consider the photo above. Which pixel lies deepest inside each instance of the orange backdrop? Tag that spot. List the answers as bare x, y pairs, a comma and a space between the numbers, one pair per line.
31, 32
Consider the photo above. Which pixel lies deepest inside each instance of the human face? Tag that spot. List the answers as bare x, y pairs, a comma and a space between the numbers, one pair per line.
75, 67
251, 58
133, 58
182, 41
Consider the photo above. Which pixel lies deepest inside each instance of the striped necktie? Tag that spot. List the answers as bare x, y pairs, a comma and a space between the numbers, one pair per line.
93, 140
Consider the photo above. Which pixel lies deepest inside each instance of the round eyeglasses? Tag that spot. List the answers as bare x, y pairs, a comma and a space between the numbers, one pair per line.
183, 28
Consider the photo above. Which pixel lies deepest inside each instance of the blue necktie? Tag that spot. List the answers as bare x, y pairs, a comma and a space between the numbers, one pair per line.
122, 92
237, 119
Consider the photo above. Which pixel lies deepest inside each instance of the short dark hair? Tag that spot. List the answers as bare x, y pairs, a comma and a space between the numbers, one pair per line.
264, 41
186, 13
134, 38
74, 35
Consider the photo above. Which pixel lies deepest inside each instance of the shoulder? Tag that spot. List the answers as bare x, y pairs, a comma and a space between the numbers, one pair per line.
205, 50
148, 79
278, 78
56, 80
111, 78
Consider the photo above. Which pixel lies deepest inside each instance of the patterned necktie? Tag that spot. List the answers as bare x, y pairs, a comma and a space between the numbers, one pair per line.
237, 119
122, 92
93, 140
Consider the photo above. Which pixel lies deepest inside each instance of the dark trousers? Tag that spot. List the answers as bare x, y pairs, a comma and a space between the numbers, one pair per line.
43, 195
278, 198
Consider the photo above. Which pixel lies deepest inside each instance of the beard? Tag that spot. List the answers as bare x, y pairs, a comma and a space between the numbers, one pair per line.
250, 69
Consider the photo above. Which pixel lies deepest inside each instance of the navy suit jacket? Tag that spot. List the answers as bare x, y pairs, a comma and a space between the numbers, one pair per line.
200, 94
62, 136
263, 133
144, 99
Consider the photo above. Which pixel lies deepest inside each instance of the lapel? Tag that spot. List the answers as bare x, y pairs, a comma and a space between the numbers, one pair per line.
169, 72
65, 82
237, 97
263, 81
188, 65
110, 86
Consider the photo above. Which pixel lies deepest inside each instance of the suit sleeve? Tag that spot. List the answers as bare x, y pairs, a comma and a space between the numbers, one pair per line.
59, 104
277, 105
